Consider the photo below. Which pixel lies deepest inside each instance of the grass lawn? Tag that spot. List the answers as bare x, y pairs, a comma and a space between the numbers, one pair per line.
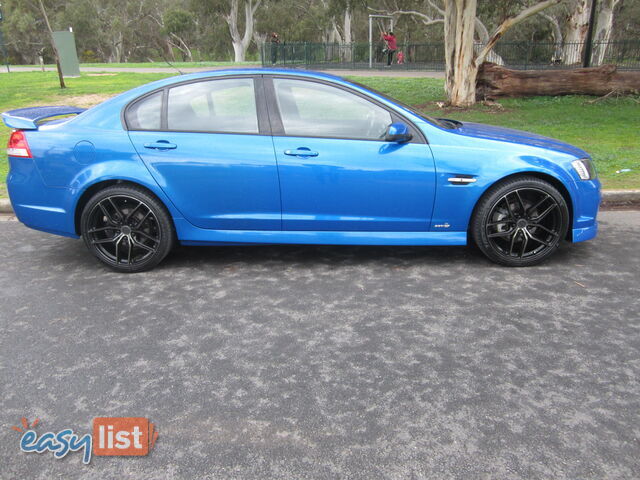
608, 129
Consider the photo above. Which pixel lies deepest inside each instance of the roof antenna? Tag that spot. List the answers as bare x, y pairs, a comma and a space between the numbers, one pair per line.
169, 63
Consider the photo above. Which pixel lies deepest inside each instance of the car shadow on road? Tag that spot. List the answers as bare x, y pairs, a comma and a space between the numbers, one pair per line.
73, 254
340, 255
318, 254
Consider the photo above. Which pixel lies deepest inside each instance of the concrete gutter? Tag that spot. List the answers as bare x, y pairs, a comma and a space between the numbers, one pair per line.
5, 206
610, 198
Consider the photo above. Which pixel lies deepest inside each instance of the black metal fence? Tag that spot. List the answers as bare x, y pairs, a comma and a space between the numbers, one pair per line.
430, 56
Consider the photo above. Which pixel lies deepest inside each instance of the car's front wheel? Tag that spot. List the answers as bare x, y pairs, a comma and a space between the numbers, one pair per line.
520, 222
127, 228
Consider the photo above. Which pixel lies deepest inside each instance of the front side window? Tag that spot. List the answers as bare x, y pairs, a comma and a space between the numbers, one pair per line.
310, 109
227, 105
146, 113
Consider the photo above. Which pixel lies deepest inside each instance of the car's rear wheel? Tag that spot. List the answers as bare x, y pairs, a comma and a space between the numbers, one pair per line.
520, 222
127, 229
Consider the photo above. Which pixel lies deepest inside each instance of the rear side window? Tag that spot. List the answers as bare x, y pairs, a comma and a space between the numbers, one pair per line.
227, 105
146, 113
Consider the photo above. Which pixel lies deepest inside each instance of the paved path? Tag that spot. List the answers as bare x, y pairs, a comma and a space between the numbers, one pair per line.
368, 73
329, 362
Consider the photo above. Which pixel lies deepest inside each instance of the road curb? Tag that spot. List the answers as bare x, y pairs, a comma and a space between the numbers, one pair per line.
5, 206
610, 198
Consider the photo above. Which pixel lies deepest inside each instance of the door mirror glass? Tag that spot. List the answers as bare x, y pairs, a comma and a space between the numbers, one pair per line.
398, 132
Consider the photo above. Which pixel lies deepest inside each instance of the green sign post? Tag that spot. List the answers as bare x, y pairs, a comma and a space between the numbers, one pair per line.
66, 46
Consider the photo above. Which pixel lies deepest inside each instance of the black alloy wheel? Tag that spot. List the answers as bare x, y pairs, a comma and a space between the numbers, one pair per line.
520, 222
127, 228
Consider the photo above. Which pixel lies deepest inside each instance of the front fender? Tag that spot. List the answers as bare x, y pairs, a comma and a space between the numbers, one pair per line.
488, 165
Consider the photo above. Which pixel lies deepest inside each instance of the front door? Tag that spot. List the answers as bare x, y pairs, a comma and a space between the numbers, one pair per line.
336, 171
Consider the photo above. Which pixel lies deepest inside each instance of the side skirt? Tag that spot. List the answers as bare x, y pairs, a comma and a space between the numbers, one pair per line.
190, 235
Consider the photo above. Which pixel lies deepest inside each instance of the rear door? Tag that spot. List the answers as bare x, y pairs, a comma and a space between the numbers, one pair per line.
208, 145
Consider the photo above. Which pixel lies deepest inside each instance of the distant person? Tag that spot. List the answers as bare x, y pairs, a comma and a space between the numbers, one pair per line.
274, 39
392, 46
400, 57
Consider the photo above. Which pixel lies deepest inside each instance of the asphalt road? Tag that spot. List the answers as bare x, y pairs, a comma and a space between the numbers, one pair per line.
328, 362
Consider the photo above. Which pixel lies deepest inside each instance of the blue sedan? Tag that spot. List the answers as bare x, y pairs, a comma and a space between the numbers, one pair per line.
281, 157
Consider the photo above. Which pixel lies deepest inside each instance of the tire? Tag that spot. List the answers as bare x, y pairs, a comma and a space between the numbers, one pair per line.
127, 229
520, 221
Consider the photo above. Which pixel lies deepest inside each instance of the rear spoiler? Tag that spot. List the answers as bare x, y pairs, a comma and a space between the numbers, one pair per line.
28, 118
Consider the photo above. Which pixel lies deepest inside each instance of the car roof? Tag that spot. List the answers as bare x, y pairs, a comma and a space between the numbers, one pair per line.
260, 71
186, 77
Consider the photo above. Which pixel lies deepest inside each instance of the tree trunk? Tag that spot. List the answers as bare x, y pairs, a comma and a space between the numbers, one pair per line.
483, 39
53, 45
556, 31
168, 47
117, 48
334, 35
576, 32
241, 42
238, 51
495, 81
346, 35
461, 66
604, 25
460, 74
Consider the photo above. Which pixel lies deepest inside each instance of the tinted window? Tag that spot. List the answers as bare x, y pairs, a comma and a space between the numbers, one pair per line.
214, 106
310, 109
145, 114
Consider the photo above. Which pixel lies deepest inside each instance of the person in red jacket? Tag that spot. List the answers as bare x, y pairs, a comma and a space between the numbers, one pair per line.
392, 46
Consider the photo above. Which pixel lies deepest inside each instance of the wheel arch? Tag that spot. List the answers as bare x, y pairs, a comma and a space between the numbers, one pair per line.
555, 181
94, 188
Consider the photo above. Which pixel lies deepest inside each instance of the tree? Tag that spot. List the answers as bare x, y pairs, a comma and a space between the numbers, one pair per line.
434, 13
558, 38
604, 26
241, 41
461, 25
460, 68
461, 64
575, 34
341, 13
177, 25
24, 28
53, 44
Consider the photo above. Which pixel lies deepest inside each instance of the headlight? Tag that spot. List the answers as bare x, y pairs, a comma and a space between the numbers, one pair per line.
585, 169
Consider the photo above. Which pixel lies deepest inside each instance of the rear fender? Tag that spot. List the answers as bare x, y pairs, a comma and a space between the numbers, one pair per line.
111, 172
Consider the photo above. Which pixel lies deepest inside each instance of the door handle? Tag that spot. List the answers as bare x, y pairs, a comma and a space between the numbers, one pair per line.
301, 152
160, 145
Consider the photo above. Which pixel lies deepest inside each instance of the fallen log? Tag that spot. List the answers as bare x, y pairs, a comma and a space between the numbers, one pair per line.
495, 81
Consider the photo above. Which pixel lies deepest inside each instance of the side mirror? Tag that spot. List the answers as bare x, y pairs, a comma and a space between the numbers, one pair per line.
398, 132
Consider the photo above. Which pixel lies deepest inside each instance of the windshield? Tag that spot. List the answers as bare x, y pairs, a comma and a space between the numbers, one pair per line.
440, 122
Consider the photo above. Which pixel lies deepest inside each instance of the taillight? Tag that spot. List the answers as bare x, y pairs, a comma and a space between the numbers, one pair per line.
18, 146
